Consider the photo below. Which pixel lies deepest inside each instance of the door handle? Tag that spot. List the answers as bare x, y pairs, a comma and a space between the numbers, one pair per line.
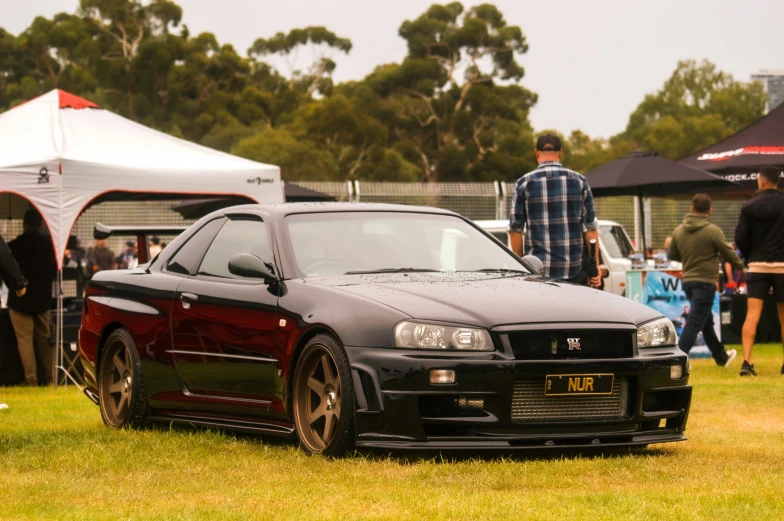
187, 299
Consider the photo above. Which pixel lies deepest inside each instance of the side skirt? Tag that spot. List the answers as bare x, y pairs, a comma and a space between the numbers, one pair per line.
218, 423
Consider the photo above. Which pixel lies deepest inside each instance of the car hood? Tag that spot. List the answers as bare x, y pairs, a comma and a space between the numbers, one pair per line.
490, 300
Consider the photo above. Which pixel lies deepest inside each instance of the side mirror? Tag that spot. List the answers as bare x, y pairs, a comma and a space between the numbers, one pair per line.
250, 266
534, 264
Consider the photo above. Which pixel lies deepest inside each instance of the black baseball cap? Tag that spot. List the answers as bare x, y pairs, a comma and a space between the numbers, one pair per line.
548, 143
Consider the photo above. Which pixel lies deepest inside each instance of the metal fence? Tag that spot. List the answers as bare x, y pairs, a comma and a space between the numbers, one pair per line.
662, 215
473, 200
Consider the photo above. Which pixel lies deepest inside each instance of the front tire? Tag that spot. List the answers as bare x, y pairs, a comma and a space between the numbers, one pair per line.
324, 398
120, 382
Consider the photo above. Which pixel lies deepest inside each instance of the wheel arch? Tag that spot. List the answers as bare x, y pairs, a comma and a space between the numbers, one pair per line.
105, 334
307, 336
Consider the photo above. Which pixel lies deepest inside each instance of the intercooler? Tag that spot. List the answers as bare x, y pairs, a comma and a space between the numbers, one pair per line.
529, 403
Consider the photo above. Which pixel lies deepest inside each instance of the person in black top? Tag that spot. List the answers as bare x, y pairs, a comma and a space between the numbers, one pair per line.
9, 270
30, 312
760, 239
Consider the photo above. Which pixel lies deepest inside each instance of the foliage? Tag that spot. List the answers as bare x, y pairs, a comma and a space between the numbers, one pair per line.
454, 109
320, 40
697, 106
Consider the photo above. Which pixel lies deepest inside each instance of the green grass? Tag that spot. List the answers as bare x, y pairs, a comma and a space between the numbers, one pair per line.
58, 461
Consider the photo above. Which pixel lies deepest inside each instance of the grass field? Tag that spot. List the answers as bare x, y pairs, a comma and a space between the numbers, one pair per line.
58, 461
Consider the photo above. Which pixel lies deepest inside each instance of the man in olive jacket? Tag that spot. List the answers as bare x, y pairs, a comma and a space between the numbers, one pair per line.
697, 244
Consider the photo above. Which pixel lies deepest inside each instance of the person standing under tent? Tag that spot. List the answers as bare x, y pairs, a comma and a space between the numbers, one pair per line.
9, 270
127, 259
100, 257
553, 207
155, 247
760, 239
30, 312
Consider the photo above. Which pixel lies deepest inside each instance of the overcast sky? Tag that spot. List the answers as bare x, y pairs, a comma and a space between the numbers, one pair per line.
591, 62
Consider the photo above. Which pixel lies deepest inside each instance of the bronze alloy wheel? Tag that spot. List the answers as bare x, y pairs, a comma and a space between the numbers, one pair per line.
324, 422
119, 382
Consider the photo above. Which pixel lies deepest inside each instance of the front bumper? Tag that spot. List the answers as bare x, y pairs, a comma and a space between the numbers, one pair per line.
399, 408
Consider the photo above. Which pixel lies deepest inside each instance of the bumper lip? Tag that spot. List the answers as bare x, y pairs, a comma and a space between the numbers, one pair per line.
516, 443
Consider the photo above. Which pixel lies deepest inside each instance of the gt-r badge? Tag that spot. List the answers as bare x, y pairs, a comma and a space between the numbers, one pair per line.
574, 344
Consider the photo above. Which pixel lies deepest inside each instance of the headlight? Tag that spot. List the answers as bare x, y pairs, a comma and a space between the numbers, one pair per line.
658, 333
416, 335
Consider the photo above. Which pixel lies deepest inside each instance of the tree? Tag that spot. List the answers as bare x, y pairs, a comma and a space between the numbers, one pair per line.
321, 42
297, 159
697, 106
445, 98
123, 27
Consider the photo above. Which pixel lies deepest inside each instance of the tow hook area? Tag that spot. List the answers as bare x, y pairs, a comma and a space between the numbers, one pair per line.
92, 396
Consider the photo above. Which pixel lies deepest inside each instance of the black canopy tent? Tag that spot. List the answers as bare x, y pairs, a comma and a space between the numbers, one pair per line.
645, 174
739, 157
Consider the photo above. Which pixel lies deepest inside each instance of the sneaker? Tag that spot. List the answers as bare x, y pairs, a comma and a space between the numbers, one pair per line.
731, 354
747, 369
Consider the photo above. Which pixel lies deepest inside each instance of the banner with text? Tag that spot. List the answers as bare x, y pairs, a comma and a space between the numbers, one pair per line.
663, 291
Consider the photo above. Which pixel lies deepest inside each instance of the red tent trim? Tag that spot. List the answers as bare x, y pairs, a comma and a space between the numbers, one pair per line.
68, 100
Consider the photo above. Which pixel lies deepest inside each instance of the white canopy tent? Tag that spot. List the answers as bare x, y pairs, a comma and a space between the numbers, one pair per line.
62, 152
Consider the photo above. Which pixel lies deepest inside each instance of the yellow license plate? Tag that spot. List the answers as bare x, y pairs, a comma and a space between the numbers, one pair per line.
578, 384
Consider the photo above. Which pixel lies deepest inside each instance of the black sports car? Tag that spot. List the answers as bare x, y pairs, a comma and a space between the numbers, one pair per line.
376, 326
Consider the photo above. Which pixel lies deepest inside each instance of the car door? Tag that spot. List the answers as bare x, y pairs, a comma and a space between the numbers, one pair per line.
223, 325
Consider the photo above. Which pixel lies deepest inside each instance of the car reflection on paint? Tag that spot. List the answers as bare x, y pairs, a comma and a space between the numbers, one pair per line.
359, 325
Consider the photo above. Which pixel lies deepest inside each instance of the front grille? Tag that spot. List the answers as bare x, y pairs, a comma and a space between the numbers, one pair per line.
530, 404
560, 345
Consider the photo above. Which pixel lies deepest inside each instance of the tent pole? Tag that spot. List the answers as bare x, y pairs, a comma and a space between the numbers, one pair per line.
642, 224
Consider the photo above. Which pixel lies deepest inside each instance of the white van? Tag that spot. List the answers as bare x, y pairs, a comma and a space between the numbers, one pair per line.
614, 249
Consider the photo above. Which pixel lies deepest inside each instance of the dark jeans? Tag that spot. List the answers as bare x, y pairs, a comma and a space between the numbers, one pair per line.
701, 295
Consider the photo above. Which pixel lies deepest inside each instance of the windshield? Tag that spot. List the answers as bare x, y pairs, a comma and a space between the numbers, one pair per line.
367, 242
615, 242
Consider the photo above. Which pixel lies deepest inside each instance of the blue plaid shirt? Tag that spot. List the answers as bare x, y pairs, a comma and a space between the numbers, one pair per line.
553, 206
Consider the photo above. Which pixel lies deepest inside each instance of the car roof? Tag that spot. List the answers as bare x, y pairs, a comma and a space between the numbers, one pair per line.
492, 224
283, 209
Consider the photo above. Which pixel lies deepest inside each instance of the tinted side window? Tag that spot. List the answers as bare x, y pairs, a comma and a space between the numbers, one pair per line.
187, 259
237, 236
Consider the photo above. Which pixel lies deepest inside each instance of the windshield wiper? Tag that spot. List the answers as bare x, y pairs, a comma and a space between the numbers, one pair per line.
496, 270
394, 270
490, 270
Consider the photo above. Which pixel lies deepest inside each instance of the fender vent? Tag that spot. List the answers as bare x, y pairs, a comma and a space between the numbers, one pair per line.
369, 390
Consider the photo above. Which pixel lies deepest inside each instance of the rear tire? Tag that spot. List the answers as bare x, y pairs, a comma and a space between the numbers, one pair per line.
323, 400
120, 382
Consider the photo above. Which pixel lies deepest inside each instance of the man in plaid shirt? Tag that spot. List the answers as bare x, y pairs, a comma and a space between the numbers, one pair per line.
553, 207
